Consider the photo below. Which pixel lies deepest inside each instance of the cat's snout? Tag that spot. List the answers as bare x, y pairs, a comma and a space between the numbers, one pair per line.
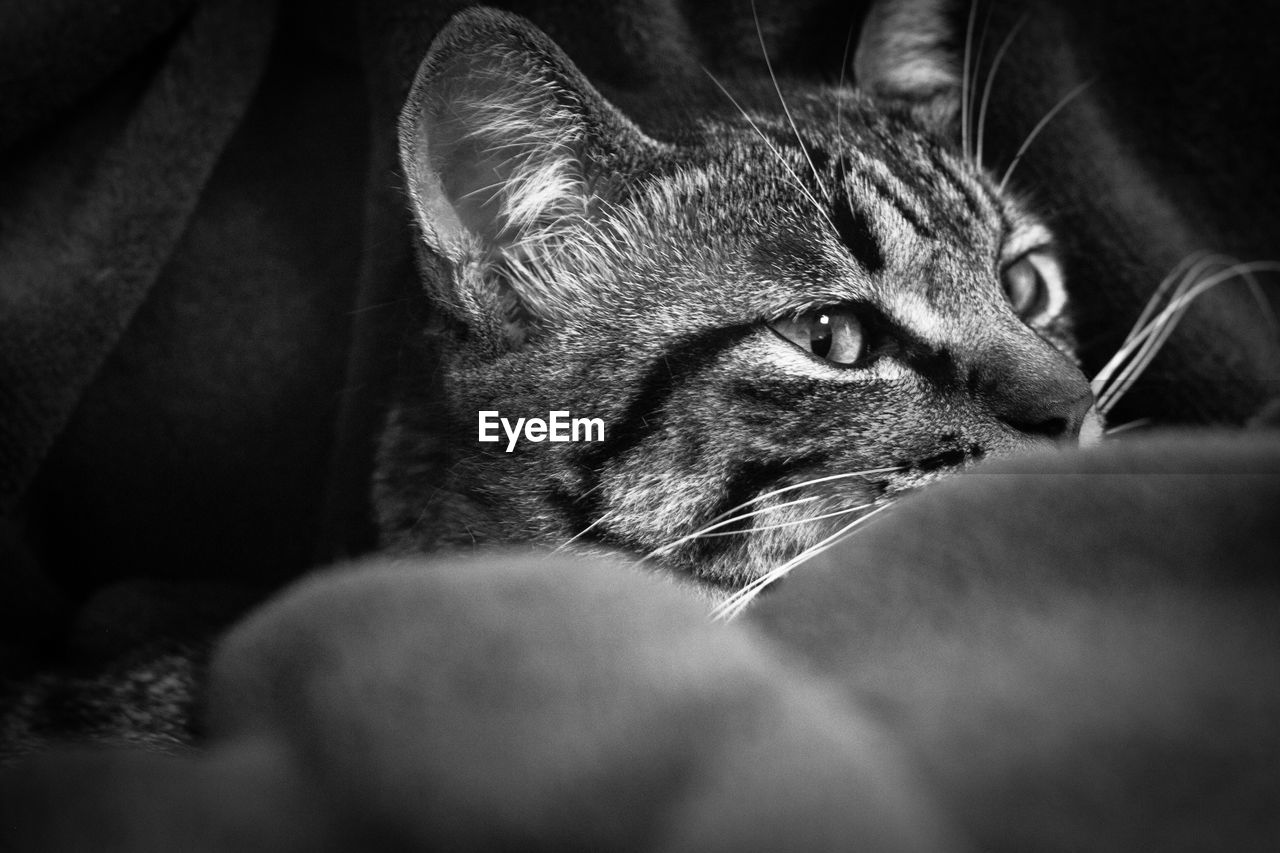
1055, 419
1040, 394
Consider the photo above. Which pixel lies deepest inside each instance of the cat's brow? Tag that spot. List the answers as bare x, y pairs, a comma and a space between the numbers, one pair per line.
870, 174
978, 199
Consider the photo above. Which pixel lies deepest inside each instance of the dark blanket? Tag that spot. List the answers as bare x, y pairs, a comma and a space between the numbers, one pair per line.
205, 275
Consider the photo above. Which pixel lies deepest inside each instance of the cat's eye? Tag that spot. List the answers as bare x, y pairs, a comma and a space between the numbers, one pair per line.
1026, 284
833, 333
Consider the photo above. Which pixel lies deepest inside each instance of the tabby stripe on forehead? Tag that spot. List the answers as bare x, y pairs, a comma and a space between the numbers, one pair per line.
888, 187
854, 228
964, 187
913, 217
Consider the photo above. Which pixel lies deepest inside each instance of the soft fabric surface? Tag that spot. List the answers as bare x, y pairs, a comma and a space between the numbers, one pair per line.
932, 684
95, 206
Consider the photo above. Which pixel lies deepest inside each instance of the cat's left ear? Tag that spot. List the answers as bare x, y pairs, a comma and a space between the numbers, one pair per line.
504, 145
907, 58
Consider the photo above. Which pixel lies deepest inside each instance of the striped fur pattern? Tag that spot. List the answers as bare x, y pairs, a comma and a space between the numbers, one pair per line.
577, 264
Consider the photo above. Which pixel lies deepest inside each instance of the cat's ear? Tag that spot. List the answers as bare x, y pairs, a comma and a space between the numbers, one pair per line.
907, 57
503, 142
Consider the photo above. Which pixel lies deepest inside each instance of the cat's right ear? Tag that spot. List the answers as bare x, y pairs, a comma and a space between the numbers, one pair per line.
503, 144
907, 58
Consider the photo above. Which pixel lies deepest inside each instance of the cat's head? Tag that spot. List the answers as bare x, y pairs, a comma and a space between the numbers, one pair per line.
829, 295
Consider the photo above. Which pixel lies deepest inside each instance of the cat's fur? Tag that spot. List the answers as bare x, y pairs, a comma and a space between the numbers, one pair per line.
580, 265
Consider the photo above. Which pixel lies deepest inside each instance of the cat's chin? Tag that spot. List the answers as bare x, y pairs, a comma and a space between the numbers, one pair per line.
918, 478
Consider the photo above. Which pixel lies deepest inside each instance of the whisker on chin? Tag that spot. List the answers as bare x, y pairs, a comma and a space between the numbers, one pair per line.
1178, 273
729, 516
706, 531
733, 606
781, 524
813, 482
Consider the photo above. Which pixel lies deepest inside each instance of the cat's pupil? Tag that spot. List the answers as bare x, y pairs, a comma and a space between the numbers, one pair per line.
820, 335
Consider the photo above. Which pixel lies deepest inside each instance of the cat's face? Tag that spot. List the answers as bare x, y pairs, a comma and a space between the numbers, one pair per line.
779, 335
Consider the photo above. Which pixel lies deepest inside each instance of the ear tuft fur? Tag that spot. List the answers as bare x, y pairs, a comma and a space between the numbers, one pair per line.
502, 145
501, 141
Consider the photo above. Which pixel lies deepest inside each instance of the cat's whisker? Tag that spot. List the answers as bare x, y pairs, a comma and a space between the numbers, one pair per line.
816, 481
781, 100
1040, 126
966, 76
1126, 427
1184, 273
706, 531
583, 532
1145, 342
365, 309
1162, 325
1178, 273
733, 606
773, 149
844, 65
783, 524
1152, 343
733, 515
971, 101
1152, 340
990, 82
1264, 304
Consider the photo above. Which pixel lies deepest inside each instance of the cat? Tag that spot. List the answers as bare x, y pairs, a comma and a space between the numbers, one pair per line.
805, 302
797, 301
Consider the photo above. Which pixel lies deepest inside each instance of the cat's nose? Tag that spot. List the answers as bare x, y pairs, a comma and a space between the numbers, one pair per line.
1058, 419
1042, 395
